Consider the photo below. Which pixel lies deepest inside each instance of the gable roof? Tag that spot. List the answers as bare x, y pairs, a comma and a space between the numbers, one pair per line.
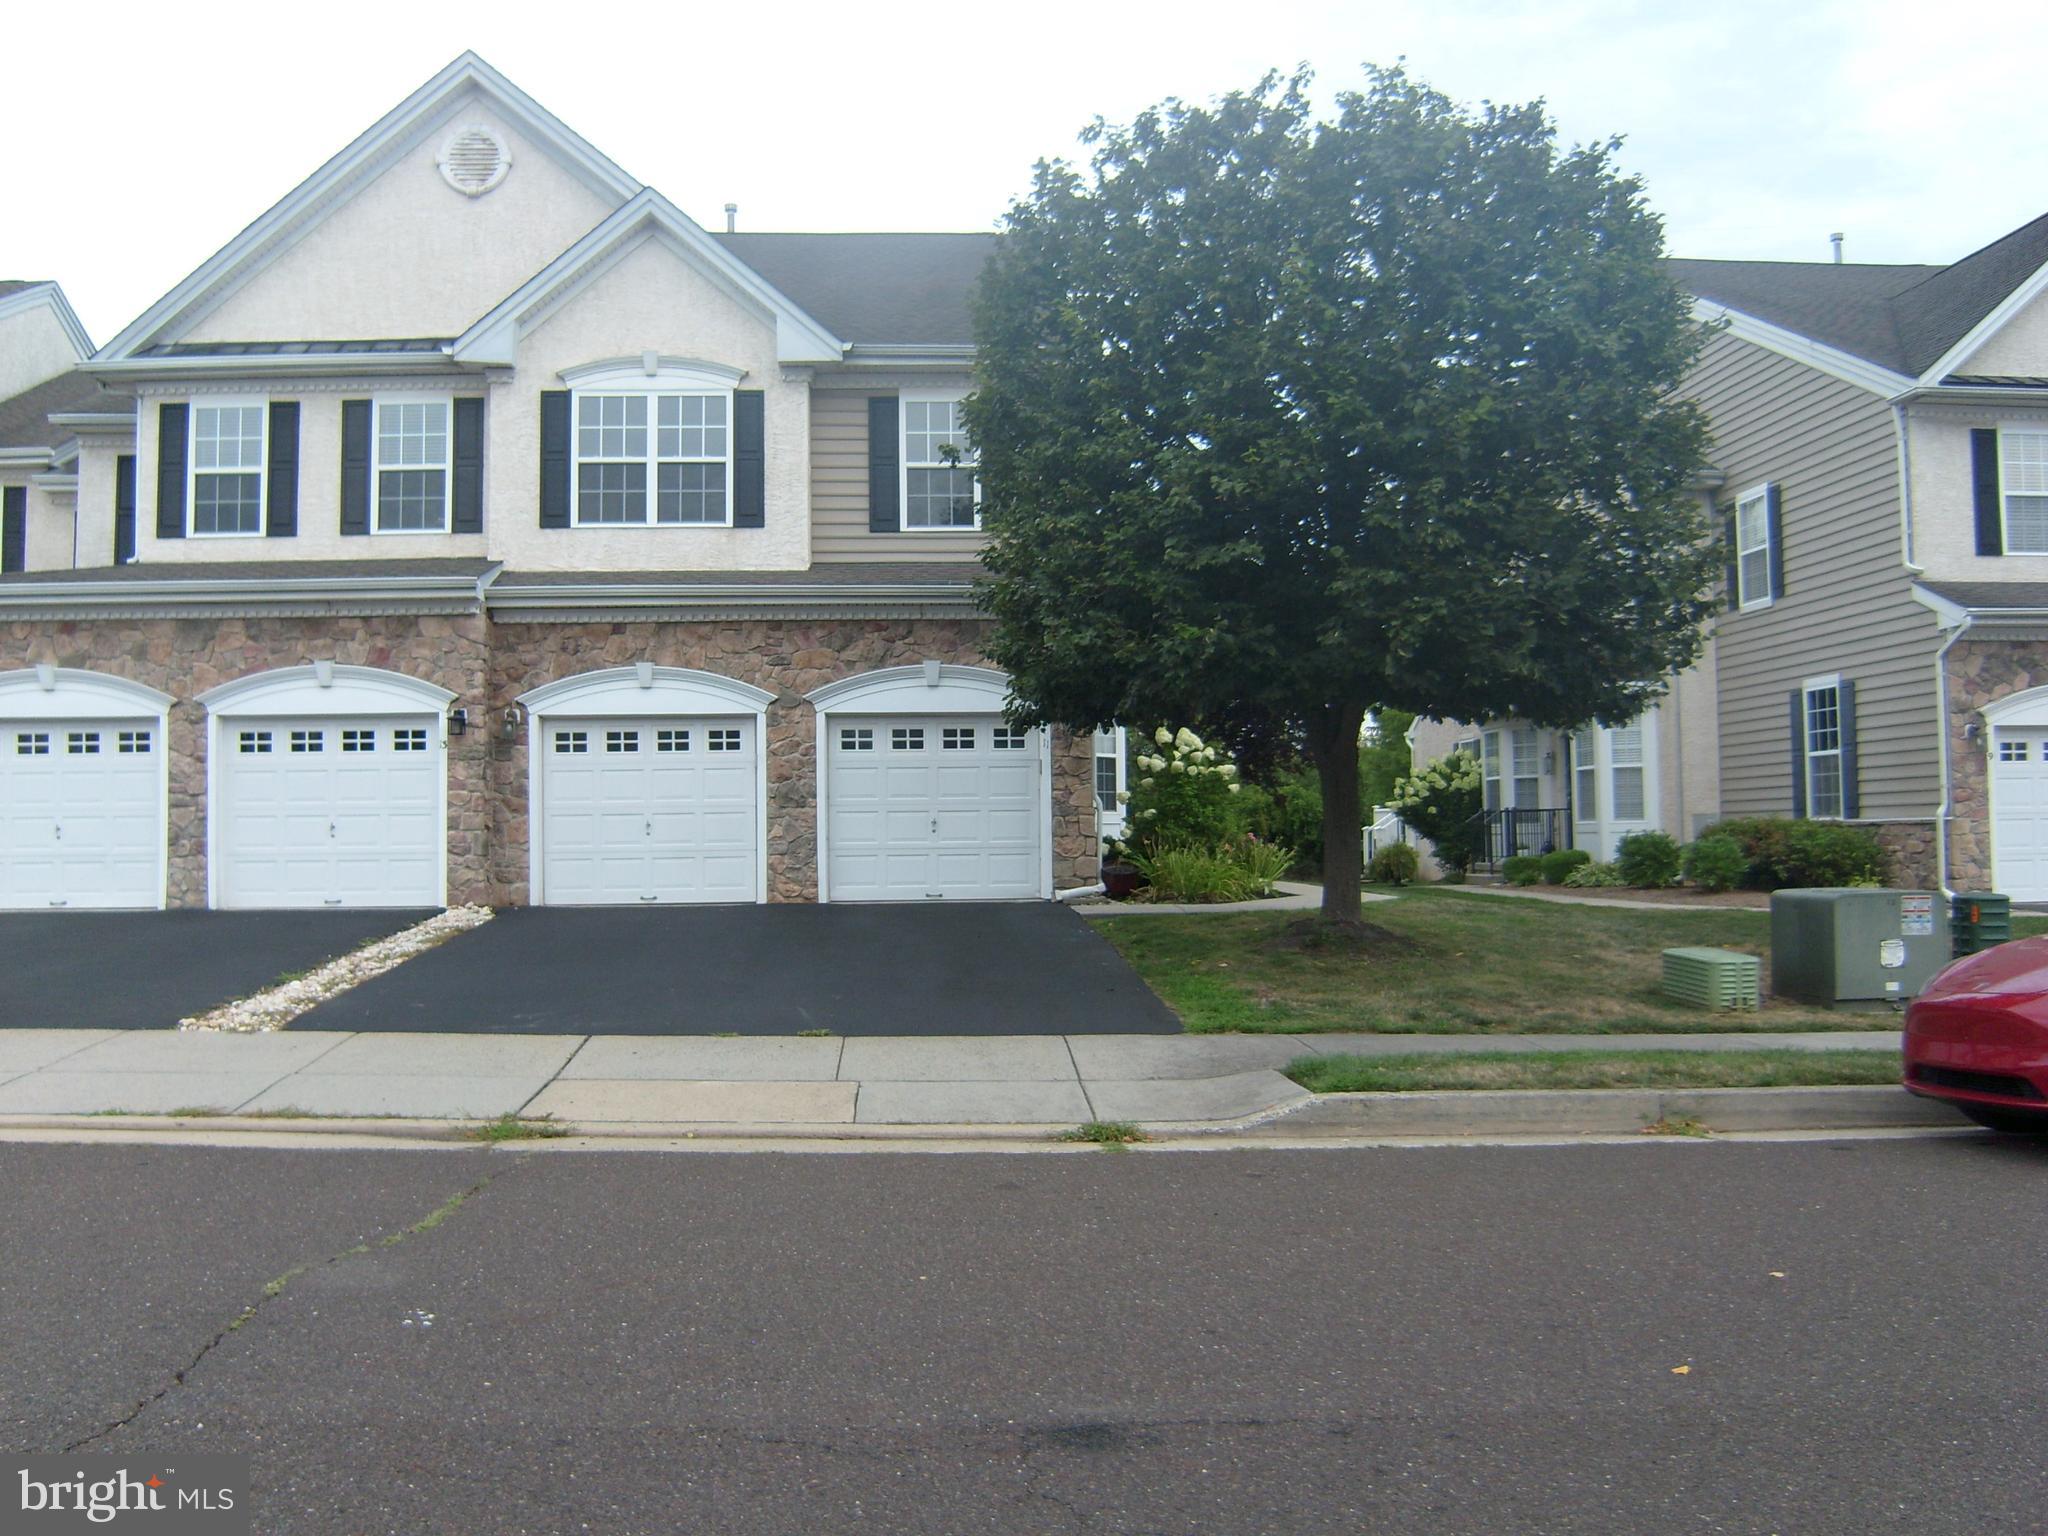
899, 289
18, 294
25, 418
421, 114
800, 338
1908, 319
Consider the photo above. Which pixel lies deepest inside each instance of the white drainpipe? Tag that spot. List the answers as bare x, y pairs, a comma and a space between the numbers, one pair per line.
1941, 815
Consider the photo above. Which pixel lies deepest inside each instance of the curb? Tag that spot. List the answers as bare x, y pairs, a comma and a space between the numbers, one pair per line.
1605, 1111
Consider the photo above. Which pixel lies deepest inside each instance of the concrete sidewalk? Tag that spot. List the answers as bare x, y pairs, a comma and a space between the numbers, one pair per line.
757, 1081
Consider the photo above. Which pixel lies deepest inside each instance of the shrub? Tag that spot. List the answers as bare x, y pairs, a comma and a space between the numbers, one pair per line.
1235, 869
1780, 851
1288, 811
1441, 801
1522, 869
1395, 864
1185, 795
1647, 859
1594, 876
1715, 863
1561, 863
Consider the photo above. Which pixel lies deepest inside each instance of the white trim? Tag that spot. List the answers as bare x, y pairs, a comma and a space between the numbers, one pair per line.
926, 688
421, 114
1756, 493
642, 690
2015, 707
45, 692
653, 390
1974, 339
52, 294
1832, 361
904, 399
1808, 687
652, 373
319, 688
377, 465
647, 215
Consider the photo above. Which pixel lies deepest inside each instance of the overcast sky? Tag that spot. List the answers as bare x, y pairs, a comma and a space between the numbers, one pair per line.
137, 143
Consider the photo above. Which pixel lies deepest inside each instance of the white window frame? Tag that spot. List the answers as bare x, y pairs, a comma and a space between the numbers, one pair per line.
378, 466
1807, 754
969, 459
193, 471
652, 378
1758, 496
2007, 434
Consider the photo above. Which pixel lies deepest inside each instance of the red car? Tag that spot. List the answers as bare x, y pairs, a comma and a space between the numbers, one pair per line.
1977, 1037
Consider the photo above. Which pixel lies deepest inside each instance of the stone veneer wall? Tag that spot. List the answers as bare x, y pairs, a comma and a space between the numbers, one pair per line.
1911, 845
1980, 672
186, 657
790, 658
487, 666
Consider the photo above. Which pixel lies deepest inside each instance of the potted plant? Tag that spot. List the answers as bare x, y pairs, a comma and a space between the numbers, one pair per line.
1120, 877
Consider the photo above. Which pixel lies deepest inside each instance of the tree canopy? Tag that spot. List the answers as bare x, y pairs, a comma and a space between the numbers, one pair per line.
1291, 419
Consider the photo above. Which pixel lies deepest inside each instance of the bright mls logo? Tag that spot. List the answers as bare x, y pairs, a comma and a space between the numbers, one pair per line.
175, 1496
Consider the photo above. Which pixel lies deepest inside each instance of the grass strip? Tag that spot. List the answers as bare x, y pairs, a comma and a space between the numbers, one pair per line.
1593, 1069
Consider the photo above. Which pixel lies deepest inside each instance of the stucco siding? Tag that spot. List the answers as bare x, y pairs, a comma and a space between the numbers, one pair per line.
1847, 608
1944, 489
34, 346
2019, 347
839, 475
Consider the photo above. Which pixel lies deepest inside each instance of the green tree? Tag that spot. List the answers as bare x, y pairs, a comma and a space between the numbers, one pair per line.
1384, 757
1284, 419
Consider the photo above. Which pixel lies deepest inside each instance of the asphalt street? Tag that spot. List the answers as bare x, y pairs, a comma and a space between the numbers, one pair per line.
1804, 1337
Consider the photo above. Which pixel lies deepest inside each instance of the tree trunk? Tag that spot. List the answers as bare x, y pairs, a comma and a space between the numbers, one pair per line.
1333, 744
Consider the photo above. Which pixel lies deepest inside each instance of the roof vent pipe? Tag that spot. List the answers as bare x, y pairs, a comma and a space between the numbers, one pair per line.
1835, 239
732, 224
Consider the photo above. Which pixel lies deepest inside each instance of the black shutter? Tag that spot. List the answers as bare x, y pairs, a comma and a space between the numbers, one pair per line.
749, 460
1984, 484
1733, 575
554, 458
1776, 524
170, 470
885, 489
1845, 705
281, 495
14, 529
355, 466
1798, 751
124, 509
466, 493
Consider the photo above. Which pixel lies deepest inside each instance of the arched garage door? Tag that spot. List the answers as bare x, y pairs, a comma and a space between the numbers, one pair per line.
328, 788
82, 791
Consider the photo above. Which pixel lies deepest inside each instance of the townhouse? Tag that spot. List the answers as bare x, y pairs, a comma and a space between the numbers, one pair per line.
475, 526
1880, 483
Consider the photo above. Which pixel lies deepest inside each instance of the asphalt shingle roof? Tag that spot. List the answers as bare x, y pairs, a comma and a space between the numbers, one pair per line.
25, 418
904, 288
1992, 594
837, 574
254, 570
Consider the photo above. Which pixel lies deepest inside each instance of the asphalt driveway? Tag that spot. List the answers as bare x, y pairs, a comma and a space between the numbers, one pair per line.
970, 969
147, 970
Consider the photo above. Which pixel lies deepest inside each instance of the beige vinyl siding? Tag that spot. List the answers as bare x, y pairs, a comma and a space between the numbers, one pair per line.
1847, 608
839, 481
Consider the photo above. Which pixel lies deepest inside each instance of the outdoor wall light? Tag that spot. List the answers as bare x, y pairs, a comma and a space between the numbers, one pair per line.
458, 722
1972, 731
515, 717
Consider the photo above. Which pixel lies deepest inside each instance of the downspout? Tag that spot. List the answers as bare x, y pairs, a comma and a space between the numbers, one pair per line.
1906, 542
1943, 812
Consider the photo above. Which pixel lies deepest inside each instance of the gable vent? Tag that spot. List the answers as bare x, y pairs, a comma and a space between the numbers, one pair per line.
474, 160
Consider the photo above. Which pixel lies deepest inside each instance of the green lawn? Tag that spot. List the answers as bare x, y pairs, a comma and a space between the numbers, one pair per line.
1594, 1069
1459, 964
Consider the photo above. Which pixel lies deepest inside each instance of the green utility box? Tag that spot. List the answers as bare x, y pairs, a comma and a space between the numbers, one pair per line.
1855, 948
1712, 978
1978, 920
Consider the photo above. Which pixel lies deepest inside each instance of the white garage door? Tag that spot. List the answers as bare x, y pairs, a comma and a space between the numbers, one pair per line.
2019, 800
81, 813
947, 807
656, 810
339, 812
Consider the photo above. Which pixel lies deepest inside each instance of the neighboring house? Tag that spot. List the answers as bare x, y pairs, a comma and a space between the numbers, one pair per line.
483, 529
41, 343
1881, 468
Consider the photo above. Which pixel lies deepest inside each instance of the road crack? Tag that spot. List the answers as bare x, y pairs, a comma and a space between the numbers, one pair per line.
277, 1285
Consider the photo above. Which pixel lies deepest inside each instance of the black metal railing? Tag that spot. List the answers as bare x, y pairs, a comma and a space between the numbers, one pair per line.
1519, 830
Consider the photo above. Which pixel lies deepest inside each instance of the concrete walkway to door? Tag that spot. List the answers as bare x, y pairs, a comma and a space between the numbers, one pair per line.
968, 968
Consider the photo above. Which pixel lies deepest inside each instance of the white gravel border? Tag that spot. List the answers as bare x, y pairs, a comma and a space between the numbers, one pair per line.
277, 1006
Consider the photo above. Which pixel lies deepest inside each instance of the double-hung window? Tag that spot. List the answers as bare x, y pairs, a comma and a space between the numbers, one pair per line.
655, 457
1753, 548
940, 489
1823, 750
411, 467
2023, 491
227, 468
